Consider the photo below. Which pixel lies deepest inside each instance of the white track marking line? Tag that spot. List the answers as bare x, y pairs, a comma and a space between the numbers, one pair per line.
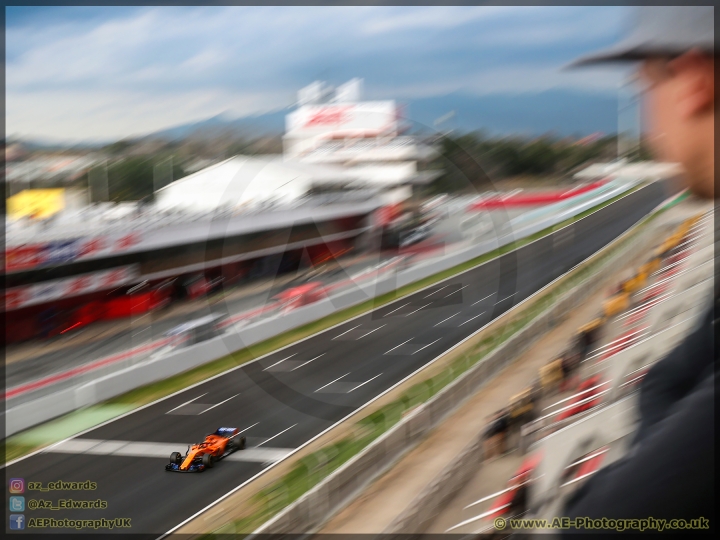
271, 438
278, 362
510, 296
370, 332
361, 384
218, 404
460, 289
193, 399
418, 309
336, 380
403, 343
346, 331
483, 298
437, 291
450, 317
426, 346
394, 310
247, 428
304, 363
472, 318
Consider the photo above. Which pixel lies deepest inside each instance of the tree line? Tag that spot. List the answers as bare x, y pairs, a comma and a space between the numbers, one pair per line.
469, 162
472, 161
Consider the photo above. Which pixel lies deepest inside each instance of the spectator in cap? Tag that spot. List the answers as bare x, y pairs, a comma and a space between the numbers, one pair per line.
669, 469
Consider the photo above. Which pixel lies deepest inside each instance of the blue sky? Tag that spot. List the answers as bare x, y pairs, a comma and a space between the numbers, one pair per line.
89, 73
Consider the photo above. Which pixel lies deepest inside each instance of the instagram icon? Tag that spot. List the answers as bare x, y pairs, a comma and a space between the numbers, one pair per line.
17, 485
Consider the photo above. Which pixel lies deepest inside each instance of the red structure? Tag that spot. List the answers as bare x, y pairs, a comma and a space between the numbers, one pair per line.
531, 199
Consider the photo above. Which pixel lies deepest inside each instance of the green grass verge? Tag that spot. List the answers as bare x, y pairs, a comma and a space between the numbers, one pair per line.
312, 469
15, 447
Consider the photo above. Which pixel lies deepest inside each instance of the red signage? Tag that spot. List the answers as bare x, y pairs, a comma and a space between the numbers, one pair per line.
79, 285
15, 298
92, 246
329, 116
48, 291
64, 251
112, 277
23, 257
127, 241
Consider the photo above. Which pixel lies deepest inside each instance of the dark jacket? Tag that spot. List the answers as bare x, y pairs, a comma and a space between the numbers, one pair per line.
669, 471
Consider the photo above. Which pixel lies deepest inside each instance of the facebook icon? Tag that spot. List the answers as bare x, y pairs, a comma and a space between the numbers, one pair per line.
17, 522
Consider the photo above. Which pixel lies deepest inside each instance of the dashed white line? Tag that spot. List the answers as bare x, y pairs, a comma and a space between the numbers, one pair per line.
403, 343
278, 362
193, 399
336, 380
271, 438
483, 298
460, 289
370, 332
304, 363
418, 309
218, 404
426, 346
394, 310
450, 317
361, 384
510, 296
472, 318
436, 291
244, 430
346, 331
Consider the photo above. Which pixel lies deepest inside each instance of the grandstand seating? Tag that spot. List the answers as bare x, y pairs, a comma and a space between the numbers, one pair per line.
652, 311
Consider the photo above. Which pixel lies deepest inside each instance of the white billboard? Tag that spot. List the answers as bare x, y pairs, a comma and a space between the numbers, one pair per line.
369, 118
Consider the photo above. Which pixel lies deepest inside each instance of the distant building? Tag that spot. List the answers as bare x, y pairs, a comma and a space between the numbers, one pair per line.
364, 137
333, 142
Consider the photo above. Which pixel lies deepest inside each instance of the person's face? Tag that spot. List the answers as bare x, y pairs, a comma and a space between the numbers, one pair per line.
661, 122
679, 109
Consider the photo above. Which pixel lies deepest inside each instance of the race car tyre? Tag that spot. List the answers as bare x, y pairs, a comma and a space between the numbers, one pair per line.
241, 443
208, 460
176, 458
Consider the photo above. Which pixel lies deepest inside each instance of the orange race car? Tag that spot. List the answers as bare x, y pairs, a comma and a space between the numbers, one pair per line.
203, 455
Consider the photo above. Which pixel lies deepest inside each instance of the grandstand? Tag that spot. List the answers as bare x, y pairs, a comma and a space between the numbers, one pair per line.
572, 420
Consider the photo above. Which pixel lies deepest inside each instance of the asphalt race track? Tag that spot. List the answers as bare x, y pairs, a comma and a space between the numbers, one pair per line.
286, 398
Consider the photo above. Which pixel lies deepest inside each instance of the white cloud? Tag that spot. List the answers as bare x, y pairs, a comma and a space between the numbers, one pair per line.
158, 67
511, 79
413, 18
82, 116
